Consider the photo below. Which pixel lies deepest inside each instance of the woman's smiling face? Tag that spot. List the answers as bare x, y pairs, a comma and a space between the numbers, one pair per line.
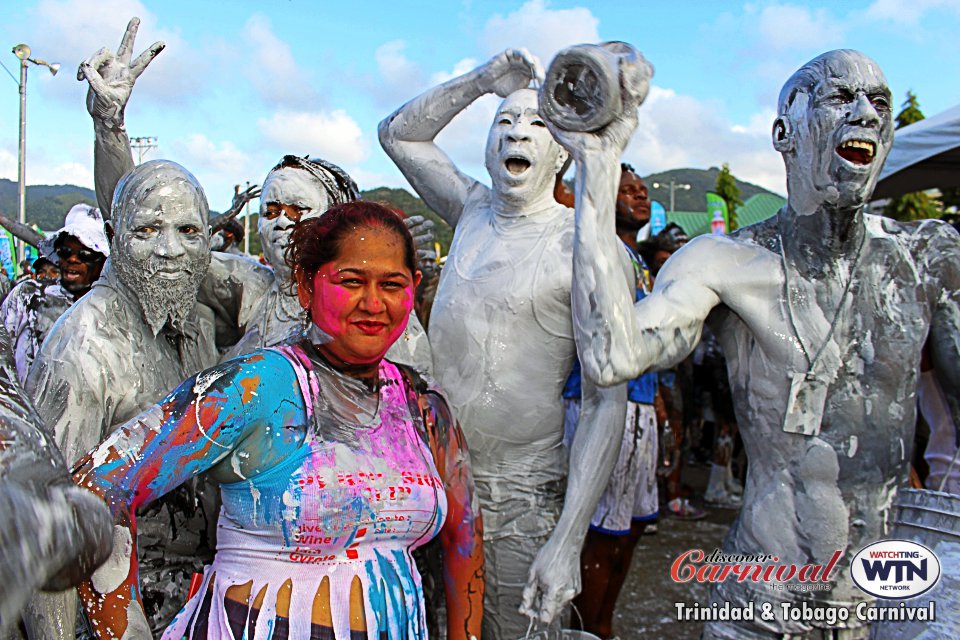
362, 299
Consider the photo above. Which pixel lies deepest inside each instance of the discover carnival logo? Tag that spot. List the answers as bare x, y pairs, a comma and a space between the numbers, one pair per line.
895, 569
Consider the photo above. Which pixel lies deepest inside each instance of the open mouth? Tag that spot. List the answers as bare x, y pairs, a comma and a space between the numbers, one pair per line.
859, 152
516, 166
70, 274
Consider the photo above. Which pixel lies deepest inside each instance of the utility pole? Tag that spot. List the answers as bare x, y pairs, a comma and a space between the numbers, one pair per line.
22, 52
674, 185
143, 144
246, 225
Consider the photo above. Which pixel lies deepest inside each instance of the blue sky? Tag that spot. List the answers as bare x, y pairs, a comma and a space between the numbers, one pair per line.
242, 83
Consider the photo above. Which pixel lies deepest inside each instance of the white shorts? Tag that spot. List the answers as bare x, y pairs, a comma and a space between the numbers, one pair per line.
631, 495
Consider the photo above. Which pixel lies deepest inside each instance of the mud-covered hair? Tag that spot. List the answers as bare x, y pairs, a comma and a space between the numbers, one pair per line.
336, 183
317, 241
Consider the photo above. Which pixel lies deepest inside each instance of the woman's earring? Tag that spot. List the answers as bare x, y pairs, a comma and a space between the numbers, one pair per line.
305, 322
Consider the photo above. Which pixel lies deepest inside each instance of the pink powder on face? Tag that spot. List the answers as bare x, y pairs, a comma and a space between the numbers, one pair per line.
335, 309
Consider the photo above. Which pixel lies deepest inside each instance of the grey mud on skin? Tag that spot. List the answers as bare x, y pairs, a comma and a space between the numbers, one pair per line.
502, 336
53, 534
886, 287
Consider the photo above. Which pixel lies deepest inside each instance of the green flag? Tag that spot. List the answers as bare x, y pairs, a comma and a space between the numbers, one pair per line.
716, 203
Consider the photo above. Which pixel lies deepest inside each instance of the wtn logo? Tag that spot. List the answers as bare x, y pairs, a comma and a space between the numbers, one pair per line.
904, 570
895, 569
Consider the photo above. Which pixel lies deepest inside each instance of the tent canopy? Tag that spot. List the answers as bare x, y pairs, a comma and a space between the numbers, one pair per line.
925, 155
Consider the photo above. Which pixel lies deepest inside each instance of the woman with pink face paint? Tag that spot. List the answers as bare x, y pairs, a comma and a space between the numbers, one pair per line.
334, 465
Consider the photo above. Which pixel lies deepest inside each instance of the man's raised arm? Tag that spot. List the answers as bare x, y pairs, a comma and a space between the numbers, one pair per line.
619, 339
111, 78
615, 341
407, 135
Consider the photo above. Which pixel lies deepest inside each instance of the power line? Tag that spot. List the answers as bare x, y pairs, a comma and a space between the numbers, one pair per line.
143, 144
12, 77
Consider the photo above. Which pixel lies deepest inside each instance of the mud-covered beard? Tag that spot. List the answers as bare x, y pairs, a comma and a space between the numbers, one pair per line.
162, 300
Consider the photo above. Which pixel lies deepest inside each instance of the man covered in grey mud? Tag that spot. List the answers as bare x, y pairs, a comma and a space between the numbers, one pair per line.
138, 333
28, 313
822, 312
52, 534
502, 338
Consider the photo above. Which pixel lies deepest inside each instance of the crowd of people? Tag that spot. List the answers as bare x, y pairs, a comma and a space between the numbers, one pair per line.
269, 447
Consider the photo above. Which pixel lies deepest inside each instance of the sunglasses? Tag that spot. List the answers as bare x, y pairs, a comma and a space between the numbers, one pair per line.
84, 255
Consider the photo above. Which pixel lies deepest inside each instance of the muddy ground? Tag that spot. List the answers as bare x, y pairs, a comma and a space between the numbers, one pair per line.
646, 606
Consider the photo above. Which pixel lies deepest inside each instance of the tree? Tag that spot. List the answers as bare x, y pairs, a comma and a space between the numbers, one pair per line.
918, 205
911, 111
727, 189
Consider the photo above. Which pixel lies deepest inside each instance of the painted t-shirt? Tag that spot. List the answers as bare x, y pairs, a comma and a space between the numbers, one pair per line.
330, 509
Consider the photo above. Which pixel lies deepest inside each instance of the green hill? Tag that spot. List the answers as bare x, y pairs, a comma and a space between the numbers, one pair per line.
413, 206
47, 205
700, 181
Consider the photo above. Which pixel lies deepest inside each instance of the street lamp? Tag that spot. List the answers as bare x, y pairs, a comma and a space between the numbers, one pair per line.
22, 52
673, 187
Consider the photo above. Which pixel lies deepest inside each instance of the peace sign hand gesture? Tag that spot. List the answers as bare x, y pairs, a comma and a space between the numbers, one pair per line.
111, 77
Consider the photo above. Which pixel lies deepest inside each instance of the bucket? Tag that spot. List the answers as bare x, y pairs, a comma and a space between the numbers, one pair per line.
560, 634
585, 84
931, 518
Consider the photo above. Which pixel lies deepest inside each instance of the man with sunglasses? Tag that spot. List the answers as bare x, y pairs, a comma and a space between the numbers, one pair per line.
79, 249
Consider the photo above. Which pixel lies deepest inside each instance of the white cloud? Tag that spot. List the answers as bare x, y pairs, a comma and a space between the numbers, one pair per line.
65, 173
199, 153
465, 138
541, 30
908, 12
42, 171
8, 165
400, 75
462, 67
334, 136
679, 131
218, 166
787, 27
73, 30
272, 68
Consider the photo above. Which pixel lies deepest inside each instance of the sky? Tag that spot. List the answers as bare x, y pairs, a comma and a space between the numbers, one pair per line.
242, 83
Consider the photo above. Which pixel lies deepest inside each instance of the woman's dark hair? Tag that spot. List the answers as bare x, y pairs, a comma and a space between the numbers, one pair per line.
316, 241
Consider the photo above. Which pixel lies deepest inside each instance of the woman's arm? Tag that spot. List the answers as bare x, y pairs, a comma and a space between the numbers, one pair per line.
462, 535
198, 425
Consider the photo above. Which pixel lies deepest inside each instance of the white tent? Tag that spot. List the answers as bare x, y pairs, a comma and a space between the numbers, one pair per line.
925, 155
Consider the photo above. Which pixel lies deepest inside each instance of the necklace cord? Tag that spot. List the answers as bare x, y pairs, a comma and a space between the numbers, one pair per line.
811, 364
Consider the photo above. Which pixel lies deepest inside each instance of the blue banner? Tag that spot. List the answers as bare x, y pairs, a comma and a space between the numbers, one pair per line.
658, 217
7, 253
